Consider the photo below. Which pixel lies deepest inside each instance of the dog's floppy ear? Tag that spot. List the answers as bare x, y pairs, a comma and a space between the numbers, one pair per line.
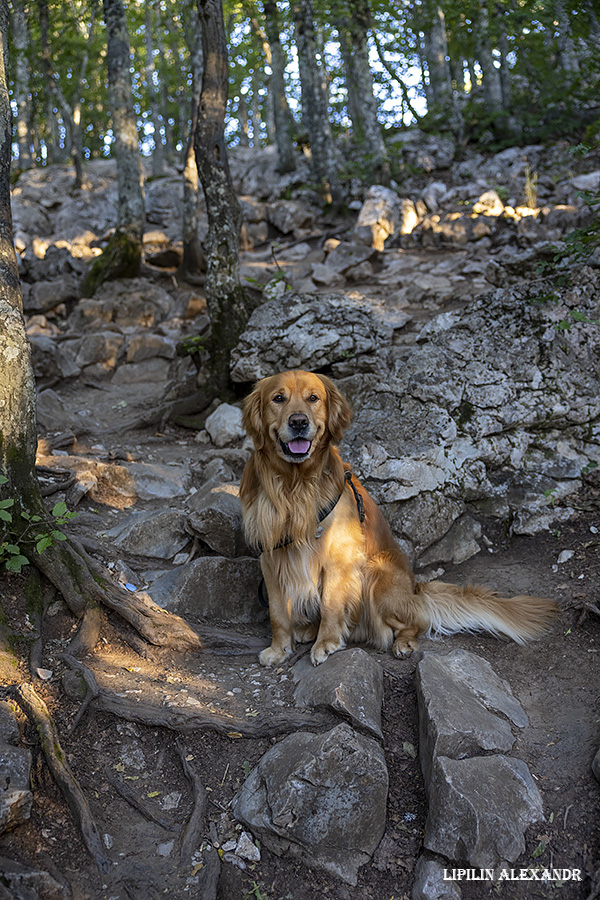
252, 417
339, 413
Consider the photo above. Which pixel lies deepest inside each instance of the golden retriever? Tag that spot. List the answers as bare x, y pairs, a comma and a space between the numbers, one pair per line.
331, 565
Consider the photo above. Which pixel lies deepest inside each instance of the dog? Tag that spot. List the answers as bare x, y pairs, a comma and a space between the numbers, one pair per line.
333, 570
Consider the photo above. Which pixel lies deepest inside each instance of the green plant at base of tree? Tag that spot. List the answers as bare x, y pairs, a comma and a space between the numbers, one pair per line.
19, 534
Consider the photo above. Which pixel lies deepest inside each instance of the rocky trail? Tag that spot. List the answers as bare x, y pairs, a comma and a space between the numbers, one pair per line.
475, 385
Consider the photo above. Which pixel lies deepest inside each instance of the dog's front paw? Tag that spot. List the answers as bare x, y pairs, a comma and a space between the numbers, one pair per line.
403, 647
323, 649
304, 634
271, 656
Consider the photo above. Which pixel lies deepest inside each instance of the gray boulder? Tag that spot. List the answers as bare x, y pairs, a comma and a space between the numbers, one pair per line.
319, 798
216, 517
499, 403
214, 589
159, 534
15, 767
350, 683
455, 695
300, 331
224, 425
480, 808
430, 884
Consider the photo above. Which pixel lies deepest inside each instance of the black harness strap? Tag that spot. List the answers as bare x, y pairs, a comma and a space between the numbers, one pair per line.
323, 513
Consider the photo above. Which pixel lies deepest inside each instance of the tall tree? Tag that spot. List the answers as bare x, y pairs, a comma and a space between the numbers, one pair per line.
284, 122
354, 21
315, 103
123, 253
492, 85
229, 305
158, 161
20, 40
193, 261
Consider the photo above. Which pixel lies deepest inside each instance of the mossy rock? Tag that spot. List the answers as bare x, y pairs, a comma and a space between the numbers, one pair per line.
121, 258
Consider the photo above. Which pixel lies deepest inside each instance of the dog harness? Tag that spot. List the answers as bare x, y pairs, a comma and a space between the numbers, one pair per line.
323, 513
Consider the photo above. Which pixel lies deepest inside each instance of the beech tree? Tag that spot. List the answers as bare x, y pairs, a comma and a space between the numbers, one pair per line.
123, 253
229, 304
284, 122
315, 104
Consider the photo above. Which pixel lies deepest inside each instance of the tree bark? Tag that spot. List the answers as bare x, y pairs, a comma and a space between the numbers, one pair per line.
20, 39
194, 260
158, 160
77, 146
492, 86
353, 29
315, 105
229, 306
566, 49
284, 121
126, 144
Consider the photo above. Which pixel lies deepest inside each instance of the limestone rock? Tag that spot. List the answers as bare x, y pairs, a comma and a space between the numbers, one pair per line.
377, 217
146, 346
46, 295
216, 517
350, 683
214, 589
429, 883
153, 481
289, 216
159, 534
319, 798
16, 798
299, 331
480, 808
596, 765
224, 425
455, 695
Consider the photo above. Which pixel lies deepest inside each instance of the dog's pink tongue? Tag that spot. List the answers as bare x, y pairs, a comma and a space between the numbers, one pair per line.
299, 445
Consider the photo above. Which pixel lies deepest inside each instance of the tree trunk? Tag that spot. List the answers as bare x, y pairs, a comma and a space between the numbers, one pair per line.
20, 40
158, 160
54, 90
492, 86
127, 153
123, 253
229, 306
194, 261
353, 31
567, 54
77, 147
504, 48
436, 52
243, 121
284, 121
315, 105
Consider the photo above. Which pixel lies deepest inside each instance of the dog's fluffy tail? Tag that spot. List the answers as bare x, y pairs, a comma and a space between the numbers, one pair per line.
450, 608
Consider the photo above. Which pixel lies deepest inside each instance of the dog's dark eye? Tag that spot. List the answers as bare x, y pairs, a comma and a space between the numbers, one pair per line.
278, 398
313, 398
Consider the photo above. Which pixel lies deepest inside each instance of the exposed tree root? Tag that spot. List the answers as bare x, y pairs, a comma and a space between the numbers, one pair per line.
272, 722
36, 710
209, 876
129, 795
196, 825
84, 584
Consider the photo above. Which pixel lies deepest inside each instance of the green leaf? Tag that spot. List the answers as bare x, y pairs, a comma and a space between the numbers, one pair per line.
16, 563
43, 544
11, 548
58, 535
3, 479
6, 504
59, 509
4, 516
541, 848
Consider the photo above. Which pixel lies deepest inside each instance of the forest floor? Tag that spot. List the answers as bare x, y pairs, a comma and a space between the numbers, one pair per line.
556, 681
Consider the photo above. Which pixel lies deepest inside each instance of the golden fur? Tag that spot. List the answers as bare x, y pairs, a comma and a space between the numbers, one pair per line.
343, 580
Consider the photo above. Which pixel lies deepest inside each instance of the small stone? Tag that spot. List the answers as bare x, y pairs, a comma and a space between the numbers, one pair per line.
165, 849
171, 801
246, 848
44, 674
565, 555
224, 425
430, 883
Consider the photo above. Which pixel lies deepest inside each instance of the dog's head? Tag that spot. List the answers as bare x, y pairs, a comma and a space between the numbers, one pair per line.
294, 414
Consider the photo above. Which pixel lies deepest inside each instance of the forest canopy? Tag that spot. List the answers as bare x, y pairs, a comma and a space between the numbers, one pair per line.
495, 71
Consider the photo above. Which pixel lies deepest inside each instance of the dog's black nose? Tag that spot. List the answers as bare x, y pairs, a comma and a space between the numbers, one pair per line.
298, 422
